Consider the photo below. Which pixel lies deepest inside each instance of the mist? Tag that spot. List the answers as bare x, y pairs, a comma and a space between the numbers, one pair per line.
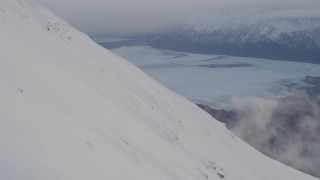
100, 17
287, 130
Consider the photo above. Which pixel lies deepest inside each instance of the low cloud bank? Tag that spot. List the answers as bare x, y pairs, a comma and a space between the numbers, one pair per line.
287, 130
98, 17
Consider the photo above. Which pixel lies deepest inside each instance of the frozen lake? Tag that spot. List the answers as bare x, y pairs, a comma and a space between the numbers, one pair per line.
216, 80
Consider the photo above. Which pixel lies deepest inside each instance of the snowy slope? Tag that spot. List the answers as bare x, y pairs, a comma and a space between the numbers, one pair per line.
72, 110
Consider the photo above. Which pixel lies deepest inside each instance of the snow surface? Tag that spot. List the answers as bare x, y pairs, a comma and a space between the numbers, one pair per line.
70, 110
217, 80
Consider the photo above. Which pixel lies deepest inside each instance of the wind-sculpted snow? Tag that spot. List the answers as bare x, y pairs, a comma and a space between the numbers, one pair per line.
70, 109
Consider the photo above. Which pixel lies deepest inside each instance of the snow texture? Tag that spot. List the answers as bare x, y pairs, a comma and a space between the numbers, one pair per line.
70, 110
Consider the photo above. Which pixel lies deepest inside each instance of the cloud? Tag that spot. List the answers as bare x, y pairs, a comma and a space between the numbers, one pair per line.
287, 130
123, 15
106, 16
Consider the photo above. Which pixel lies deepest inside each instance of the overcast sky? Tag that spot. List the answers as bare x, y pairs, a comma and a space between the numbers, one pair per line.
105, 16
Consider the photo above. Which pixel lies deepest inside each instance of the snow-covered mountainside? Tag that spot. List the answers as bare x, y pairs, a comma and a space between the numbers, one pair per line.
70, 110
284, 38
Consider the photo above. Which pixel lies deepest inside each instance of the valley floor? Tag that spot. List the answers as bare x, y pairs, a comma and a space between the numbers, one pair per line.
217, 80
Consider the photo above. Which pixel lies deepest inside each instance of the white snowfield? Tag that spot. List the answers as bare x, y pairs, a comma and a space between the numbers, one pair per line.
70, 110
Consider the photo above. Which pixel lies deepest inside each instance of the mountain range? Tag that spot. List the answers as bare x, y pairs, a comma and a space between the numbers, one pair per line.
281, 38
